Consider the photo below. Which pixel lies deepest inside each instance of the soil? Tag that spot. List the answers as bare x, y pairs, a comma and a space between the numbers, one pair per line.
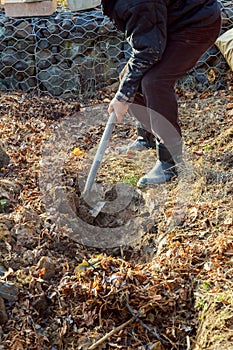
150, 271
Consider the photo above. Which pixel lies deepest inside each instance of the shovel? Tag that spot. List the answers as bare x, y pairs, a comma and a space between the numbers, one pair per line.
96, 164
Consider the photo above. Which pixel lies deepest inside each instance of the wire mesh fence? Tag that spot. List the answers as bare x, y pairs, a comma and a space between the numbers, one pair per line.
75, 54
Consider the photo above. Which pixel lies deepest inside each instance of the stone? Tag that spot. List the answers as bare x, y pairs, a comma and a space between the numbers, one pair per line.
105, 27
52, 28
43, 43
23, 29
64, 34
30, 83
11, 83
25, 46
22, 9
44, 64
79, 53
56, 81
8, 291
67, 24
10, 57
9, 32
54, 49
21, 66
24, 86
226, 13
55, 39
31, 70
72, 50
44, 54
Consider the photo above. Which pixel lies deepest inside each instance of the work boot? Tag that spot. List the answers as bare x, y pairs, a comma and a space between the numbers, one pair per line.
145, 140
165, 167
4, 158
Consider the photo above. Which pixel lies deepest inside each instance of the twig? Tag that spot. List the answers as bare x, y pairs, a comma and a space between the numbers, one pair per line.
108, 335
196, 343
153, 332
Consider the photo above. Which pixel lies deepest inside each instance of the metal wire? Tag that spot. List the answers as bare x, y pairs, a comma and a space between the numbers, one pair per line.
75, 54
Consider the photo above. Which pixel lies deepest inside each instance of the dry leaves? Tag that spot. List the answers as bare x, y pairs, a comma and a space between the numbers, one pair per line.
149, 296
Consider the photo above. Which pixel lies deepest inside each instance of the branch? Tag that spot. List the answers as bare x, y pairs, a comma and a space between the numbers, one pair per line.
108, 335
153, 332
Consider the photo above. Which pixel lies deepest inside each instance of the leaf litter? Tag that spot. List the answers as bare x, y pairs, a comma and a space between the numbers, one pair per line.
172, 289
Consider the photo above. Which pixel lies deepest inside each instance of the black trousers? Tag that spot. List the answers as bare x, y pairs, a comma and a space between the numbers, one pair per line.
155, 106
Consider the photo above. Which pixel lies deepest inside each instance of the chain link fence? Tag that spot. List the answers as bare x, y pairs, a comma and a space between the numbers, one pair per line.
76, 54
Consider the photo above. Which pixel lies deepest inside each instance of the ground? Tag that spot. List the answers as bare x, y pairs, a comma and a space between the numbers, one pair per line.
169, 288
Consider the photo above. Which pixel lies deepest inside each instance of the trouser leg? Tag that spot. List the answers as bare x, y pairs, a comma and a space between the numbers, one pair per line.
182, 52
158, 88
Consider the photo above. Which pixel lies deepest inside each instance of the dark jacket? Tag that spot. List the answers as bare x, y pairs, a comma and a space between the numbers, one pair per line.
146, 25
